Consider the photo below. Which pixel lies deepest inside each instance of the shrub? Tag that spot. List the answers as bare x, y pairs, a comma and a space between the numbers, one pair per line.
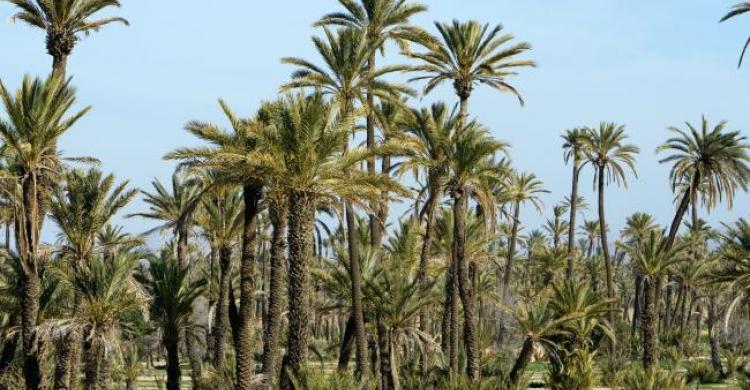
576, 374
636, 378
701, 372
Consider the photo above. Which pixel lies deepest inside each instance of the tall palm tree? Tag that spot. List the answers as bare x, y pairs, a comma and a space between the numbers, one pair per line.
429, 133
574, 146
304, 147
36, 119
608, 153
223, 210
737, 10
523, 188
173, 294
471, 165
228, 155
706, 161
379, 22
81, 209
108, 295
557, 226
467, 54
348, 80
64, 21
653, 257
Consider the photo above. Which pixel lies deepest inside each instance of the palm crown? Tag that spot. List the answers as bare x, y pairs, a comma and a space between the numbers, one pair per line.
737, 10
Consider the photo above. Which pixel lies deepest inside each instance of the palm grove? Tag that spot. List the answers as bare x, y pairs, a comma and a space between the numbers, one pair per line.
287, 268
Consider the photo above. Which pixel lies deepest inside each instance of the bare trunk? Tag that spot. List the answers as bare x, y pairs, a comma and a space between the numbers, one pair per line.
648, 324
222, 307
173, 363
360, 336
523, 360
387, 380
244, 342
423, 260
465, 286
278, 216
712, 337
607, 260
573, 212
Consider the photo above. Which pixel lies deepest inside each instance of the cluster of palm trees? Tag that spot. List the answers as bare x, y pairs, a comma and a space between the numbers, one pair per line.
282, 242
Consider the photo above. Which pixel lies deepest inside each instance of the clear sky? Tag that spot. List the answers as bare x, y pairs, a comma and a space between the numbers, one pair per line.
646, 64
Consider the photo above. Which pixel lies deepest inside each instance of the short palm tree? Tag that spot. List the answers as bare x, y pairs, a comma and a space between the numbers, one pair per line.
173, 294
64, 22
467, 54
81, 209
395, 296
574, 145
737, 10
710, 162
557, 226
638, 226
608, 153
108, 294
471, 166
37, 116
653, 258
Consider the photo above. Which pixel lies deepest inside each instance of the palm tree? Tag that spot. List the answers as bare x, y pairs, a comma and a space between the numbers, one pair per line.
348, 80
228, 157
36, 119
429, 133
608, 153
173, 294
64, 22
468, 54
557, 226
710, 162
223, 222
81, 209
304, 147
471, 166
396, 296
652, 257
173, 209
379, 22
108, 295
737, 10
574, 146
523, 188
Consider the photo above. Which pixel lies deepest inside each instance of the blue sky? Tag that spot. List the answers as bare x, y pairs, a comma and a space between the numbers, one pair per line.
645, 64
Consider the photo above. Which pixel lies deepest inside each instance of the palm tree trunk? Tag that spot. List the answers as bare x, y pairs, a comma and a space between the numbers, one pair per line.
360, 336
713, 340
244, 345
92, 358
607, 260
452, 315
347, 342
9, 351
173, 363
465, 285
648, 322
387, 380
376, 227
104, 370
424, 257
636, 312
278, 216
681, 210
222, 307
59, 65
523, 360
573, 212
300, 236
508, 272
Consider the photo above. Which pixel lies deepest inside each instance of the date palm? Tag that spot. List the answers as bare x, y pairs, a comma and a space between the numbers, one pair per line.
64, 21
522, 188
227, 156
653, 258
467, 54
574, 145
348, 80
608, 153
304, 146
38, 114
737, 10
108, 294
557, 226
710, 162
379, 21
471, 166
173, 293
81, 209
